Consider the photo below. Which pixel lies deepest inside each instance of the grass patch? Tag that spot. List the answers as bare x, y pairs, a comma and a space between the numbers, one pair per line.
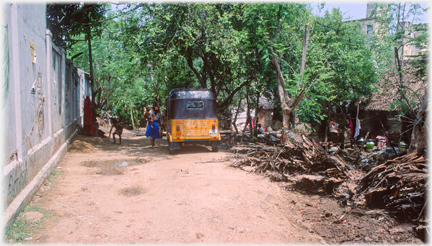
52, 178
134, 190
22, 230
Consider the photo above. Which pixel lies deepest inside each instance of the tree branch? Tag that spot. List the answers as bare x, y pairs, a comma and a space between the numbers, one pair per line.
78, 11
191, 66
230, 96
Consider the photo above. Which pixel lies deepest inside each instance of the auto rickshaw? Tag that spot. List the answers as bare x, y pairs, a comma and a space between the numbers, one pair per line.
191, 118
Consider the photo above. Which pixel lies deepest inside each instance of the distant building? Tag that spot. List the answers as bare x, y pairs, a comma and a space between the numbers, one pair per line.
370, 26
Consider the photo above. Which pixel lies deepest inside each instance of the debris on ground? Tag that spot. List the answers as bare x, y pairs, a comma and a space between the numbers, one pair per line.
293, 161
398, 185
79, 146
380, 180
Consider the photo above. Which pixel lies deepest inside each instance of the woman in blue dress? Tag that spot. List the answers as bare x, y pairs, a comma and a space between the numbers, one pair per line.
152, 130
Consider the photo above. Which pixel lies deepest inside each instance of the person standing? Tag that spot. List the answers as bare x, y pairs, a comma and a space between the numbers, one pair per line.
157, 116
252, 125
152, 130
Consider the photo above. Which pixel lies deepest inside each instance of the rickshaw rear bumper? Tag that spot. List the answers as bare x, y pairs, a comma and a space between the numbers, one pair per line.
215, 144
176, 145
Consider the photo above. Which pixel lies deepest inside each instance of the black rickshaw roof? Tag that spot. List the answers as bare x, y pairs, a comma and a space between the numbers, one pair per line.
191, 93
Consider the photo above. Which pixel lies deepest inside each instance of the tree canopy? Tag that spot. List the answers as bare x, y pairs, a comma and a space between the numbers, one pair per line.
68, 20
144, 50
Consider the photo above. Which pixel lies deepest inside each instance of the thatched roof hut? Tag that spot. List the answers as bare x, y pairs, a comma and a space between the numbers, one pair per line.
380, 104
389, 90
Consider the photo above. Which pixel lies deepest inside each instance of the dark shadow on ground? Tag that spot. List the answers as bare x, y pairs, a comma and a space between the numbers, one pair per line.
192, 149
140, 146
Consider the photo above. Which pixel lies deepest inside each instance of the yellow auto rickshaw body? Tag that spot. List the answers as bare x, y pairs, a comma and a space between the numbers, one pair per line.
191, 118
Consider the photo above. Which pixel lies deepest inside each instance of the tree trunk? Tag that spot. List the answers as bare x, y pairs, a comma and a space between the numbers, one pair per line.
235, 118
201, 78
247, 115
256, 115
401, 86
289, 104
91, 77
132, 117
420, 133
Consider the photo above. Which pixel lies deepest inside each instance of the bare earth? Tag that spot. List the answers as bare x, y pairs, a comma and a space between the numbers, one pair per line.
189, 197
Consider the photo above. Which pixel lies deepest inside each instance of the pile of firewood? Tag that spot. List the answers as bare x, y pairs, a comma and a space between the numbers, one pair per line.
301, 161
398, 185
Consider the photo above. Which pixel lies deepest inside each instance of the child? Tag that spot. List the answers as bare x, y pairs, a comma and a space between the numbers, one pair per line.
152, 130
118, 130
260, 129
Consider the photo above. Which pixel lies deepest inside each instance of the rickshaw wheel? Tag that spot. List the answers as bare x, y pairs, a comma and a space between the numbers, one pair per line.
172, 152
214, 149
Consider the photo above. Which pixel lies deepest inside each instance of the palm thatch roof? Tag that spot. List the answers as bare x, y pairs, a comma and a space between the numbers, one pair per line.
390, 89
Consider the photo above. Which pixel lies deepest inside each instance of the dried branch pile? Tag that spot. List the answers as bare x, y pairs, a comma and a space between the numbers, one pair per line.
303, 162
398, 185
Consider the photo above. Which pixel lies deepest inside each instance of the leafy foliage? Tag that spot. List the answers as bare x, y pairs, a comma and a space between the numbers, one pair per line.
399, 32
151, 48
69, 20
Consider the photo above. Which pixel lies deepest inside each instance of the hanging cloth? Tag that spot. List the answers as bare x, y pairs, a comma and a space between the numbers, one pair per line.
351, 127
358, 127
88, 117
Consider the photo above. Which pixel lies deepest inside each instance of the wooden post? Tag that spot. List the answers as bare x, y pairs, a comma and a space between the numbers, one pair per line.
91, 76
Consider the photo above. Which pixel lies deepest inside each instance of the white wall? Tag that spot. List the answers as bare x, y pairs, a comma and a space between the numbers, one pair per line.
42, 99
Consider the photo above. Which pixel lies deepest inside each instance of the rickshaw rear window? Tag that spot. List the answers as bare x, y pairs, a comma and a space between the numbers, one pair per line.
193, 105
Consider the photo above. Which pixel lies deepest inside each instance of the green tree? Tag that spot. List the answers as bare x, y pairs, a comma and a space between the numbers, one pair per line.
405, 75
67, 21
399, 31
339, 65
151, 48
191, 45
120, 84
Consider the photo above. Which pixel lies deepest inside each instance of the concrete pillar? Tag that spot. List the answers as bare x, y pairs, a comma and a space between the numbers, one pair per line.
15, 79
63, 82
48, 100
3, 67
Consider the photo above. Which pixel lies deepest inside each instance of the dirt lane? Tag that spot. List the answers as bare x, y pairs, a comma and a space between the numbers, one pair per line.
162, 198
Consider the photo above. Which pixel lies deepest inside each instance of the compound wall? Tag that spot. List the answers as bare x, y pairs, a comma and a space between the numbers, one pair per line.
42, 103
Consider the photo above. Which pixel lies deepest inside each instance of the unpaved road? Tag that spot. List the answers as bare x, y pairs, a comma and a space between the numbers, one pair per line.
189, 197
184, 199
